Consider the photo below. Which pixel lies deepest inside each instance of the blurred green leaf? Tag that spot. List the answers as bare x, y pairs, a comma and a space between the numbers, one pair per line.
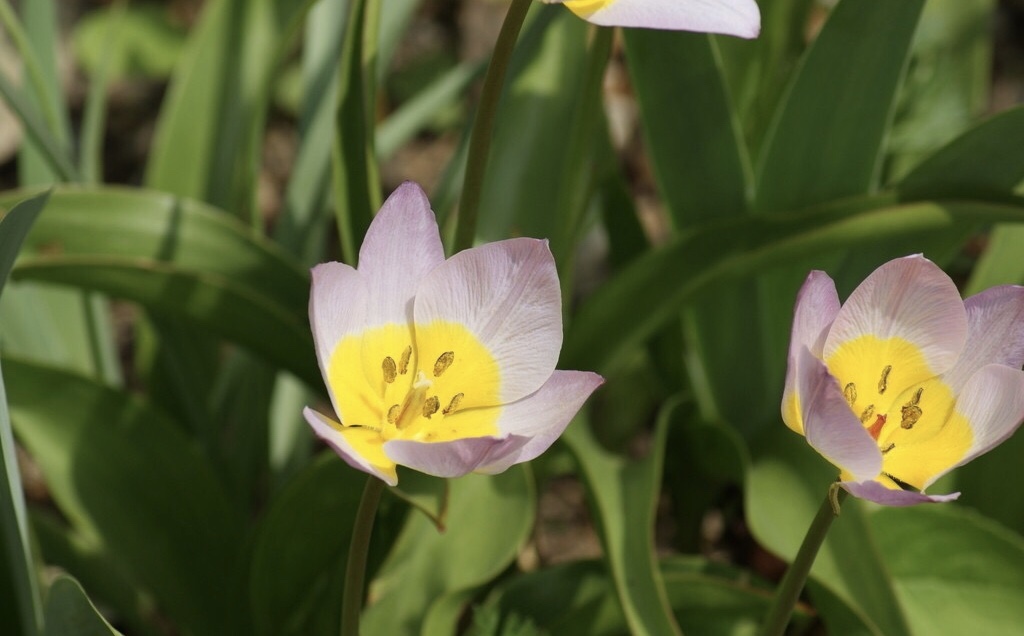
147, 44
424, 492
954, 572
69, 612
827, 137
126, 477
20, 605
489, 518
624, 495
786, 469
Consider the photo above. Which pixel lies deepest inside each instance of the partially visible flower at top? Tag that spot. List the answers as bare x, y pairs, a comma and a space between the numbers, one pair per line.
729, 17
445, 366
905, 381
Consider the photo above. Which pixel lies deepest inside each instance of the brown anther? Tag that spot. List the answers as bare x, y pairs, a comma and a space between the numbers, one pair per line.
911, 414
850, 393
403, 362
444, 361
883, 382
917, 396
868, 412
888, 448
454, 404
430, 406
390, 371
393, 413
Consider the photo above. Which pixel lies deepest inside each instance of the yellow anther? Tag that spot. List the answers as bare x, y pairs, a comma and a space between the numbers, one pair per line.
393, 413
430, 406
911, 414
454, 404
883, 382
850, 393
444, 361
390, 371
403, 362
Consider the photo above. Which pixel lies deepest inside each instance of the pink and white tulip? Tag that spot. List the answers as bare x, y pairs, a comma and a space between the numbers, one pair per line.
729, 17
905, 381
444, 366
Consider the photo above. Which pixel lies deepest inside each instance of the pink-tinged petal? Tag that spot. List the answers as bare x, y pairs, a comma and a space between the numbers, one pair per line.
995, 333
507, 295
731, 17
817, 304
909, 298
543, 416
337, 308
992, 401
402, 245
331, 432
830, 426
455, 458
876, 492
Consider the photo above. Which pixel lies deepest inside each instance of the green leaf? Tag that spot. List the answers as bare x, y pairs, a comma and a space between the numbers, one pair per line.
126, 477
608, 327
424, 492
624, 493
489, 518
955, 571
147, 42
827, 138
19, 589
69, 612
849, 563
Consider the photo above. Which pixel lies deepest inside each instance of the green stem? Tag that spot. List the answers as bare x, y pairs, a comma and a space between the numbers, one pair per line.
791, 585
483, 125
355, 569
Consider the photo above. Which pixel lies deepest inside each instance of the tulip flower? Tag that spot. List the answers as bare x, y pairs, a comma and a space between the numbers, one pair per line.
730, 17
905, 381
444, 366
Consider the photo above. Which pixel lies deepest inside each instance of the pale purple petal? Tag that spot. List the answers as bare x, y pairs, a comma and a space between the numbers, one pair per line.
543, 416
995, 333
507, 295
992, 401
817, 304
876, 492
337, 308
730, 17
327, 430
909, 298
454, 458
402, 245
830, 426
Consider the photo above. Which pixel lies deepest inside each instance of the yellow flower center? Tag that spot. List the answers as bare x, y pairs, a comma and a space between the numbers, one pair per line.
587, 8
905, 407
410, 382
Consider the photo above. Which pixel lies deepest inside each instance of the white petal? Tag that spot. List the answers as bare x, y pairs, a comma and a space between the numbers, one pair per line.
543, 416
876, 492
337, 308
830, 426
995, 333
908, 298
507, 295
327, 430
730, 17
817, 304
454, 458
402, 245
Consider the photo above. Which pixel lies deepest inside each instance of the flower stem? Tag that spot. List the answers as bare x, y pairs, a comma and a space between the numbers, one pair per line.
483, 125
796, 576
355, 569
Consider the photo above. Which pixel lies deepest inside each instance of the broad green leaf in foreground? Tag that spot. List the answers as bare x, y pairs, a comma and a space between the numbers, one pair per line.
69, 612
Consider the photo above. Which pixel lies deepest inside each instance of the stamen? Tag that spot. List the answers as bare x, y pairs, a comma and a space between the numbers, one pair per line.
902, 484
917, 396
876, 428
390, 371
883, 382
403, 362
868, 412
911, 412
888, 448
393, 413
454, 404
430, 406
444, 361
850, 393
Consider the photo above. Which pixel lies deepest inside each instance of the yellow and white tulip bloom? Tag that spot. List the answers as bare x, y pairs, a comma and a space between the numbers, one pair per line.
729, 17
905, 381
444, 366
